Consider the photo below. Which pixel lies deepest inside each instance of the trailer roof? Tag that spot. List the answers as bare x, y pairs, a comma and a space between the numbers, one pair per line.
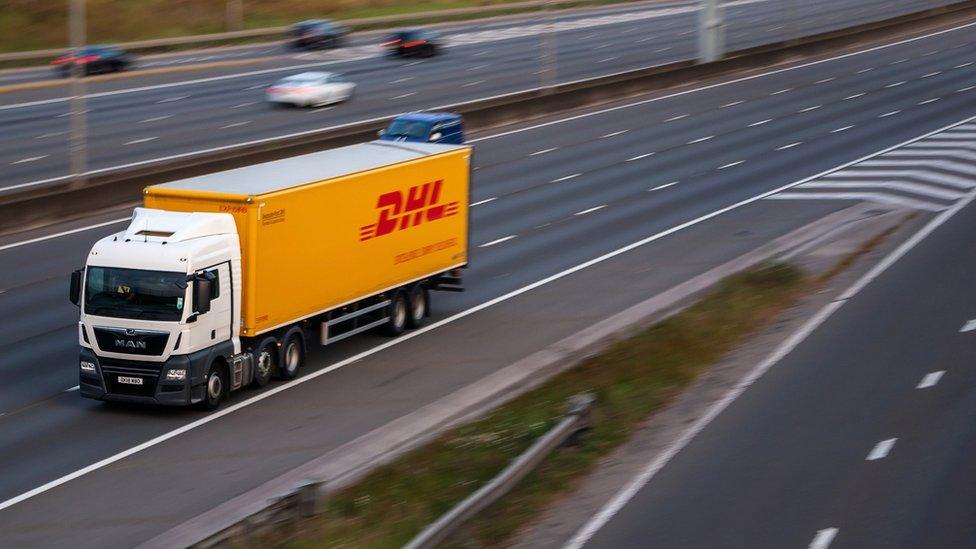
277, 175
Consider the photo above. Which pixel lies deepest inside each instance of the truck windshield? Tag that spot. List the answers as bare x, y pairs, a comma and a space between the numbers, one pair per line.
407, 128
134, 293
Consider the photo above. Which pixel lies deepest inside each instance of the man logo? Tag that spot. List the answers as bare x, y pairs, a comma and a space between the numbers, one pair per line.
129, 344
398, 212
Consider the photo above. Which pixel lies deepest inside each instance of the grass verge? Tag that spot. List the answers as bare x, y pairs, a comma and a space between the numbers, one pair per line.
632, 378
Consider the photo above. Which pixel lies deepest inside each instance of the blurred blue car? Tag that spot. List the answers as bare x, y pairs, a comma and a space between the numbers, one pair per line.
425, 127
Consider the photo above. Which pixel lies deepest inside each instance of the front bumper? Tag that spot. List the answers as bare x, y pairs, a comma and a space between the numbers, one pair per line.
155, 389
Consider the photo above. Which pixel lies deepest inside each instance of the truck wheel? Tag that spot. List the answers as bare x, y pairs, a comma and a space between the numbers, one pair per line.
292, 356
397, 312
265, 362
216, 387
418, 306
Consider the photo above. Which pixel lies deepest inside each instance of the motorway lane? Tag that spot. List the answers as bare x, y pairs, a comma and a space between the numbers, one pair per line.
74, 433
156, 122
799, 442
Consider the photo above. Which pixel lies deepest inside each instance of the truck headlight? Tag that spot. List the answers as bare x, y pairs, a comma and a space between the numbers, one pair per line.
87, 366
178, 374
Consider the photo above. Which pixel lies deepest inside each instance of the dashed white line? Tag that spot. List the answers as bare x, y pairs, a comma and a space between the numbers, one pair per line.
808, 109
760, 123
701, 139
405, 95
544, 151
591, 210
732, 104
931, 74
855, 96
966, 89
823, 538
927, 101
679, 117
662, 50
254, 87
782, 91
730, 164
614, 134
665, 186
899, 61
469, 84
601, 46
143, 140
469, 69
485, 201
881, 449
844, 129
29, 159
639, 157
402, 80
609, 59
887, 114
930, 379
248, 104
825, 80
156, 119
895, 85
790, 146
171, 99
969, 326
52, 134
964, 65
236, 125
566, 178
498, 241
862, 71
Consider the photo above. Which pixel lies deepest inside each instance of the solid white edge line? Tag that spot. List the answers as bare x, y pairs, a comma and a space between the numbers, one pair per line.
823, 538
480, 202
622, 497
502, 134
591, 210
881, 449
515, 293
62, 233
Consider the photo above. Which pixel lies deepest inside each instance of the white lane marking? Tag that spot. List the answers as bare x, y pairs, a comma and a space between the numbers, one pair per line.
881, 449
143, 140
70, 389
544, 151
248, 104
887, 114
899, 61
254, 87
614, 134
404, 79
601, 46
679, 117
930, 379
927, 101
808, 109
931, 74
52, 134
790, 146
624, 496
66, 114
609, 59
591, 210
662, 50
30, 159
823, 538
156, 119
782, 91
966, 89
639, 157
498, 241
63, 233
862, 71
732, 104
895, 85
172, 99
469, 69
404, 96
855, 96
645, 39
665, 186
844, 129
964, 65
969, 326
469, 84
235, 125
730, 165
760, 123
485, 201
321, 109
701, 139
566, 178
825, 80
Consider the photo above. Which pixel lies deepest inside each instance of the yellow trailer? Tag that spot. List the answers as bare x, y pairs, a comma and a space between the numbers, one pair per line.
221, 280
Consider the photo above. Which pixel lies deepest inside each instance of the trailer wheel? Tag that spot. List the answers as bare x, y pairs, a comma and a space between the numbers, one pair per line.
292, 355
265, 362
216, 386
398, 314
418, 306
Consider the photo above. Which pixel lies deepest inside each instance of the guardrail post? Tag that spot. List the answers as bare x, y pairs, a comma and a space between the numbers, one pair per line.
579, 406
711, 31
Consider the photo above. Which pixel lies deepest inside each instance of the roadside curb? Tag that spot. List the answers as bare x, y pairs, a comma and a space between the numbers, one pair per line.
344, 465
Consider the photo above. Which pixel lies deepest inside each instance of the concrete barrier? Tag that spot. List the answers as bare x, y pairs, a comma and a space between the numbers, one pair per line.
58, 200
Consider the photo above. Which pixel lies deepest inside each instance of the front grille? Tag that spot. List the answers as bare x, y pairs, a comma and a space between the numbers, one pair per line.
148, 371
147, 389
133, 342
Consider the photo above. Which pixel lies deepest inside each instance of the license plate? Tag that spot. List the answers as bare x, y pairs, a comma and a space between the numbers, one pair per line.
130, 380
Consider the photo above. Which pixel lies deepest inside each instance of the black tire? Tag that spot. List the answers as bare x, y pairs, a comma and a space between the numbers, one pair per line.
397, 311
417, 300
292, 356
216, 387
266, 360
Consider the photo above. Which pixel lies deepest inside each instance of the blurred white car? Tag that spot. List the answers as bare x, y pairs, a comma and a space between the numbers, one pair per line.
310, 89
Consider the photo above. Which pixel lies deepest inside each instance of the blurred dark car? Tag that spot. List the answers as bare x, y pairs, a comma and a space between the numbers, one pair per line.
317, 34
414, 43
94, 60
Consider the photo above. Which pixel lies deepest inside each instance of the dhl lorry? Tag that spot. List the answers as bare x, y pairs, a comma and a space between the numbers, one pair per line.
222, 281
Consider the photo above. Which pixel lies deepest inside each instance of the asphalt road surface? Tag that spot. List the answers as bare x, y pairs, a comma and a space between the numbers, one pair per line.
547, 198
863, 436
145, 118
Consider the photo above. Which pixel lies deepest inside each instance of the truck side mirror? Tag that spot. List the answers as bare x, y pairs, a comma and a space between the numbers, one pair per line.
74, 292
202, 293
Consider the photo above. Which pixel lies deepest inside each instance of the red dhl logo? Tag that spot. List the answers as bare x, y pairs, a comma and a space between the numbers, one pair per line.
398, 210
